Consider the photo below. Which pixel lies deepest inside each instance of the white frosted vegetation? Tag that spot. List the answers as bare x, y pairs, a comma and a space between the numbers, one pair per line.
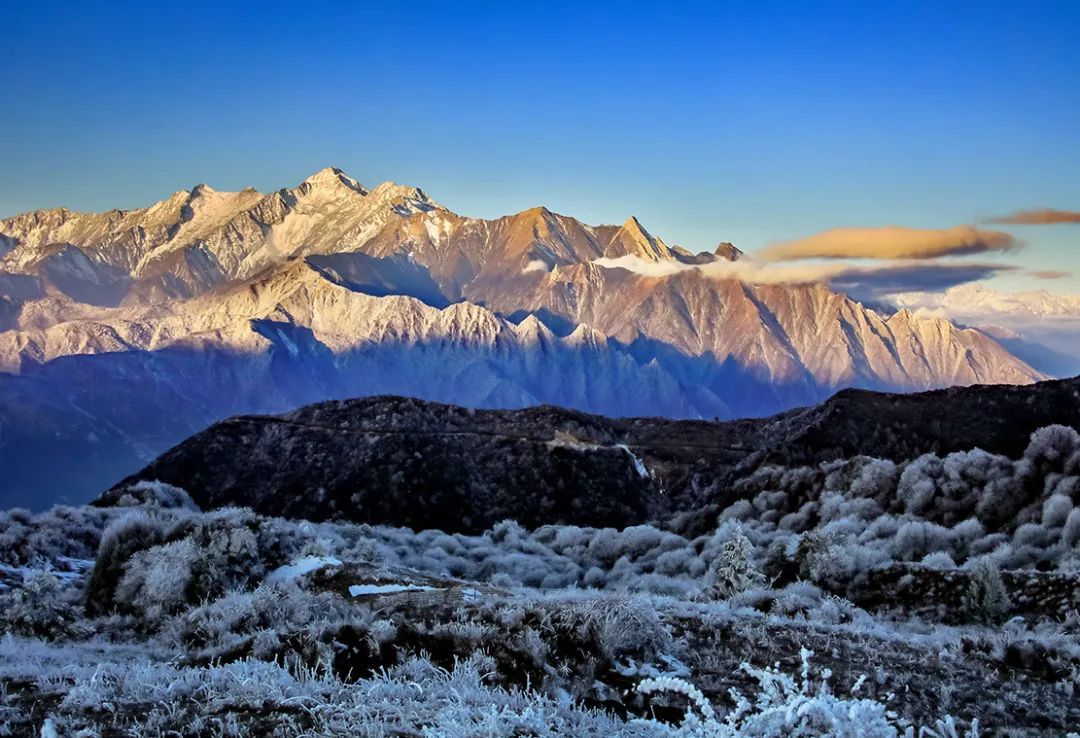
234, 614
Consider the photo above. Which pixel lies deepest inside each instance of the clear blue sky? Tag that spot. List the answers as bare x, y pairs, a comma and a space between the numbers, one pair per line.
748, 121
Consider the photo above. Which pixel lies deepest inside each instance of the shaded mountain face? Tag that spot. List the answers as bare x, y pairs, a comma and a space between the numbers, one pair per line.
406, 462
123, 332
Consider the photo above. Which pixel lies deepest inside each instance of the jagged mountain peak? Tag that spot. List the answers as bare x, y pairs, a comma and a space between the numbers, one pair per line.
534, 329
631, 239
331, 178
633, 227
728, 250
537, 211
405, 198
539, 217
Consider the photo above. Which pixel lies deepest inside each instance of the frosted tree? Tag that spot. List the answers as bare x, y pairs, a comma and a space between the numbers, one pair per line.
986, 599
733, 570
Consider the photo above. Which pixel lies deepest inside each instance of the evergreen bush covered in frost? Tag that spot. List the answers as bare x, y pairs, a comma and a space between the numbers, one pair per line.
733, 570
985, 599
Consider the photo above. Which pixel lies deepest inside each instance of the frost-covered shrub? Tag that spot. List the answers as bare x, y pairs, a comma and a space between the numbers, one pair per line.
732, 571
986, 600
614, 627
146, 493
814, 555
158, 581
126, 536
235, 548
795, 600
916, 539
952, 488
877, 478
1055, 510
788, 706
41, 607
1051, 448
251, 624
918, 483
939, 560
1032, 534
1072, 464
28, 539
1070, 532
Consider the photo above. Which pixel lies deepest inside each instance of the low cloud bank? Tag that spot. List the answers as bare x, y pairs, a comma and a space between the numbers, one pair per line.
864, 282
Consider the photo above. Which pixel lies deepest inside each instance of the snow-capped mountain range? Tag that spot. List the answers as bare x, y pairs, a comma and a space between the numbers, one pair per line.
1040, 327
977, 300
122, 332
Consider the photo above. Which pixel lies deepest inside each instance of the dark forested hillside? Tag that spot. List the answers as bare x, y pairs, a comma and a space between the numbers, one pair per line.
407, 462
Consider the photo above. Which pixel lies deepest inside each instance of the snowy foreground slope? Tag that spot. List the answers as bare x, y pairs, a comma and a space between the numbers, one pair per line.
122, 333
859, 596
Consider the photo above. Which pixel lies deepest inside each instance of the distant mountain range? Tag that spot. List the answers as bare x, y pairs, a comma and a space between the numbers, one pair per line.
974, 299
123, 332
1040, 327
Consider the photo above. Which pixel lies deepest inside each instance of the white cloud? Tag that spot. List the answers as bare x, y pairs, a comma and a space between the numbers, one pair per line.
536, 265
744, 270
863, 282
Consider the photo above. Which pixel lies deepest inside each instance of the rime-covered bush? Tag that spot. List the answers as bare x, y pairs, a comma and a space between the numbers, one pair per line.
875, 479
1070, 531
235, 548
1055, 510
72, 532
41, 607
144, 493
158, 581
122, 539
733, 569
792, 706
618, 627
939, 560
156, 564
1052, 449
986, 600
252, 624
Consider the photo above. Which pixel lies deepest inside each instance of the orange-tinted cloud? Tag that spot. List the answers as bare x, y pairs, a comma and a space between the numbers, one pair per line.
1049, 273
891, 242
1039, 216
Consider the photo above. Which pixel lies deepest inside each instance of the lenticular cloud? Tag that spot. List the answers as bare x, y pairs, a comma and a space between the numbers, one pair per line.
891, 242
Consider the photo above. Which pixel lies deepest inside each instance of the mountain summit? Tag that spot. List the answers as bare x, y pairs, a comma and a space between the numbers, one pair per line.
213, 303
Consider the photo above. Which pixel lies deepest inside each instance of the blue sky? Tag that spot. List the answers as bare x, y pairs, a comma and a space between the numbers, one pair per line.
746, 121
